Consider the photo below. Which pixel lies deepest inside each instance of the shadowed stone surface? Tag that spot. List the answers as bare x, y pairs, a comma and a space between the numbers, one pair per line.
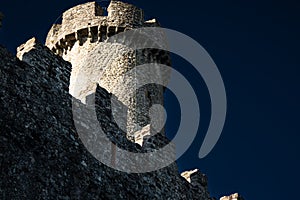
41, 155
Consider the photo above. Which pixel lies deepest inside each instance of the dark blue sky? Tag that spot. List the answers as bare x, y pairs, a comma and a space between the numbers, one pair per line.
255, 45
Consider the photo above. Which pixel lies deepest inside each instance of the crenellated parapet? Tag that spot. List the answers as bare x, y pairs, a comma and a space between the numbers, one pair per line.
86, 22
123, 14
187, 174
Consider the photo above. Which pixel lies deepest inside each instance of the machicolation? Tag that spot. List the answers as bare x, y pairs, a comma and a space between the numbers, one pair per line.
87, 22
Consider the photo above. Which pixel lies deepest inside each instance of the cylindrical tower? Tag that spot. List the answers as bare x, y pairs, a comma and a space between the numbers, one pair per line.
82, 39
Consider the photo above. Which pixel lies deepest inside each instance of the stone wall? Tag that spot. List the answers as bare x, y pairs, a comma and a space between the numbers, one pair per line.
41, 154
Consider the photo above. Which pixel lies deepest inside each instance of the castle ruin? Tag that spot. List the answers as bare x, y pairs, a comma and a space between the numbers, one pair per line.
42, 155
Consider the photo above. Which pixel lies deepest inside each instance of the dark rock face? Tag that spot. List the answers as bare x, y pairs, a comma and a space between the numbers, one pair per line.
41, 155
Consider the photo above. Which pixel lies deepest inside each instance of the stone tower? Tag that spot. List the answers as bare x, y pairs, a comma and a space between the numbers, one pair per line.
82, 39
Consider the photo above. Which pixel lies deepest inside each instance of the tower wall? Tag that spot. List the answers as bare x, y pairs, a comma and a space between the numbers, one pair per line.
82, 40
123, 14
81, 12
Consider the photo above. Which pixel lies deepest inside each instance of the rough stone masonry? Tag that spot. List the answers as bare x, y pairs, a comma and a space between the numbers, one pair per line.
41, 154
81, 39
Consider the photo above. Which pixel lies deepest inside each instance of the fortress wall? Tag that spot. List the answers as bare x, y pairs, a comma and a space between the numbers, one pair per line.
46, 62
43, 156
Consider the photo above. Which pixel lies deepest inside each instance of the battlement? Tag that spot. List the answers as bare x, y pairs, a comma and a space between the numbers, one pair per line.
139, 135
86, 22
187, 174
125, 14
84, 11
